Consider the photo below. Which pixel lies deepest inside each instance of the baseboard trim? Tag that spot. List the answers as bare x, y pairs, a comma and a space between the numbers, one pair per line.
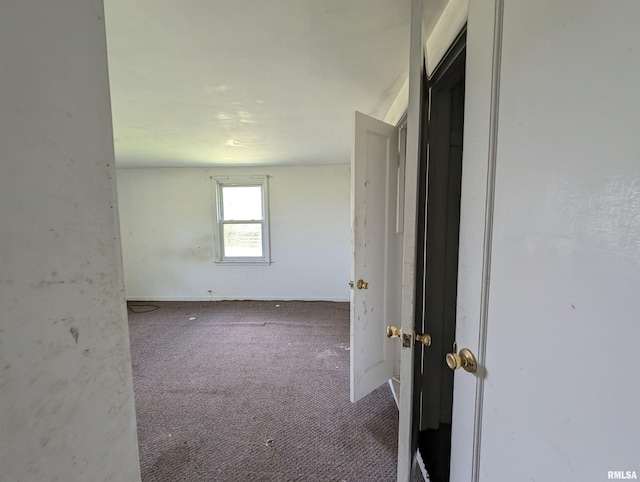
231, 298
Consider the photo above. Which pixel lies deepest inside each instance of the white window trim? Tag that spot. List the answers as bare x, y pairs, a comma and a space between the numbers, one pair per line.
218, 184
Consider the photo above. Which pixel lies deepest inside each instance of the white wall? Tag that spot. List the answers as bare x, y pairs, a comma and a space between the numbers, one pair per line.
66, 393
167, 235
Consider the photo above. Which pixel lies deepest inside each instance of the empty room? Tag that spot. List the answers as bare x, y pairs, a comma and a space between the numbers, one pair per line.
319, 240
234, 131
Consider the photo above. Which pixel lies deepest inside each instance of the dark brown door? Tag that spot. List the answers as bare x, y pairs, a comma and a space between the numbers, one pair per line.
438, 232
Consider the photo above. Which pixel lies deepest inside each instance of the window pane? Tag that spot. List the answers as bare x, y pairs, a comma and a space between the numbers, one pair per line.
243, 240
242, 203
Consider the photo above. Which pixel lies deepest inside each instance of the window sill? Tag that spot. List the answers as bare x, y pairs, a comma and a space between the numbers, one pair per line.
251, 262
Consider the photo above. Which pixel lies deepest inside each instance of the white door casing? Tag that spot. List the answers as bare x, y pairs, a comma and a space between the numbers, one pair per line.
375, 254
406, 444
425, 54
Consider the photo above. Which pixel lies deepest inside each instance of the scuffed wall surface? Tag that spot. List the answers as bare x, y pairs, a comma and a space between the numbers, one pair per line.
167, 221
66, 394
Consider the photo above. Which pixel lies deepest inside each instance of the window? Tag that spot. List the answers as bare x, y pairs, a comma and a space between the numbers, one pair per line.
242, 222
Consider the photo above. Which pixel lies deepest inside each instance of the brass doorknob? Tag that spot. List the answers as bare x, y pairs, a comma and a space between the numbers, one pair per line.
393, 332
464, 359
360, 284
424, 338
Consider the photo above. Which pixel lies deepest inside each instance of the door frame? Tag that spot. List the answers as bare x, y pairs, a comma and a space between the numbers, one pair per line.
407, 435
483, 71
424, 55
437, 255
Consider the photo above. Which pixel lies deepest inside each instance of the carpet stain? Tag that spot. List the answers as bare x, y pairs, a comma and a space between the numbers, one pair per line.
173, 461
326, 354
74, 333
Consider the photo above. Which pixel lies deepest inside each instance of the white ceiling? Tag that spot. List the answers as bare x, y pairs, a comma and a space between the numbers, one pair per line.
250, 82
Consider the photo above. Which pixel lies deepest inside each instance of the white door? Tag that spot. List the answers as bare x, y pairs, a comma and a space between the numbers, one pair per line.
407, 427
375, 267
549, 271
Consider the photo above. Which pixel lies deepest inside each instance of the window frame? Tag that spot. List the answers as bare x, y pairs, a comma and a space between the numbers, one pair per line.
220, 222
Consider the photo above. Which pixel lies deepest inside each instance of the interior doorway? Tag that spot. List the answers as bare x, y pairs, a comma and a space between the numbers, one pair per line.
437, 255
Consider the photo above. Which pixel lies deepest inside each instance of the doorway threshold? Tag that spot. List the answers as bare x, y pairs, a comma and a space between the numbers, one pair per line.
394, 384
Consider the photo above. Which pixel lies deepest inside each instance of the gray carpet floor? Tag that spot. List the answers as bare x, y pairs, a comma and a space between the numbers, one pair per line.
254, 391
